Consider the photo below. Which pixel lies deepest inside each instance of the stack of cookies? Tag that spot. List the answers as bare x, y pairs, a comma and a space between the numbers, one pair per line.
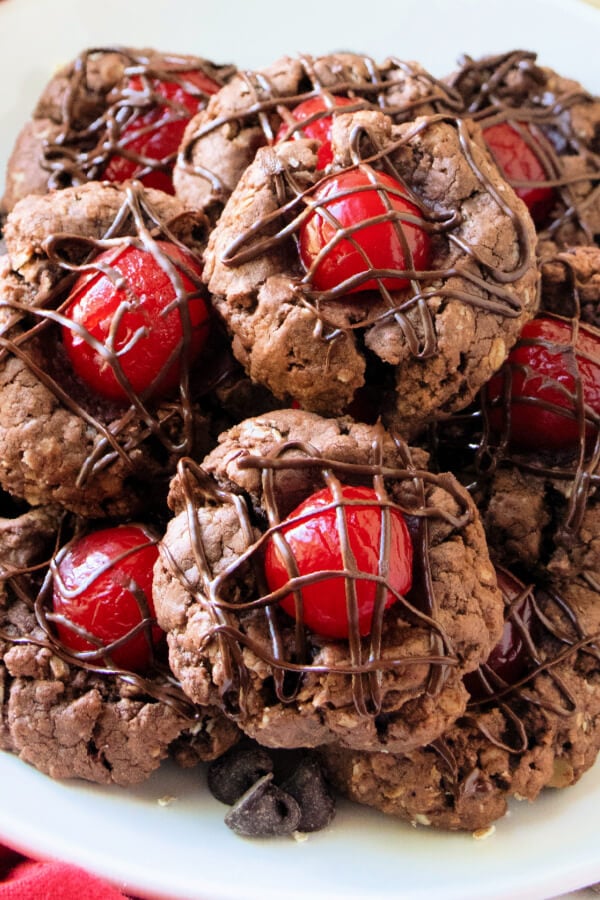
299, 427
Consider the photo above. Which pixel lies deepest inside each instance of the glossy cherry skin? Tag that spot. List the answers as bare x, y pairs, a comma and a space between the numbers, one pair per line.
316, 547
541, 366
104, 585
510, 658
136, 310
355, 198
518, 161
156, 133
318, 127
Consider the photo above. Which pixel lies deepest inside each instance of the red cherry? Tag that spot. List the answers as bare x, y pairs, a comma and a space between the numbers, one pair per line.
132, 305
510, 658
317, 127
354, 199
155, 134
542, 367
103, 584
518, 161
316, 547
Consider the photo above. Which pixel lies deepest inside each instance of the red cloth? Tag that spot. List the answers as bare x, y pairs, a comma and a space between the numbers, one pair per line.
24, 879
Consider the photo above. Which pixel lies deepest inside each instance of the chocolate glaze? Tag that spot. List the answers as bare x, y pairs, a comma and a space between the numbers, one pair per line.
492, 94
241, 588
410, 308
32, 335
82, 148
268, 108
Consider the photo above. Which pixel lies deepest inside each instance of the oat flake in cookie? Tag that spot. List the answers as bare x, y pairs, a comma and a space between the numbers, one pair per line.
293, 98
112, 114
68, 714
543, 129
77, 426
394, 684
538, 727
404, 275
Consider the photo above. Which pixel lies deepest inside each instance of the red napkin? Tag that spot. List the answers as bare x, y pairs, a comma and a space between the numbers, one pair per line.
24, 879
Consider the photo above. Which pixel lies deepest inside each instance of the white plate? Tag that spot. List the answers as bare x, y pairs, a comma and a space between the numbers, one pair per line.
183, 850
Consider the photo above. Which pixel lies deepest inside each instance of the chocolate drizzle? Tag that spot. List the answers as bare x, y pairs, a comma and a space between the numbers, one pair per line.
95, 123
246, 618
512, 88
32, 587
31, 333
471, 279
554, 637
264, 106
578, 470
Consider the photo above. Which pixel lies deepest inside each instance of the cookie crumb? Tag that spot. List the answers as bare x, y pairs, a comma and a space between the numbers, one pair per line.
167, 800
482, 833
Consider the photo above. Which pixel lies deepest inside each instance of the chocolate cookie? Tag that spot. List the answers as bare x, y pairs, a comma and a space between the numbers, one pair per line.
571, 283
70, 716
536, 729
79, 424
408, 272
543, 130
111, 114
382, 635
293, 98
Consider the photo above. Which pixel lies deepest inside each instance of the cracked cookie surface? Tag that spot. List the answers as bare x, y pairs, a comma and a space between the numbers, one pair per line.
423, 350
231, 645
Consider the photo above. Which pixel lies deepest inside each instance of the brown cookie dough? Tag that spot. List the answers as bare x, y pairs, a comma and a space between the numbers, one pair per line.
66, 717
86, 115
424, 349
565, 123
59, 442
285, 685
571, 283
248, 112
544, 732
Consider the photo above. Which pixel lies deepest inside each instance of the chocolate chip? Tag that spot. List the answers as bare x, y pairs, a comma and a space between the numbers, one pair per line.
236, 771
264, 811
308, 786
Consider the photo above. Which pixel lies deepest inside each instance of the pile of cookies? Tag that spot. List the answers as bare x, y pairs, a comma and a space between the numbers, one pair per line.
299, 430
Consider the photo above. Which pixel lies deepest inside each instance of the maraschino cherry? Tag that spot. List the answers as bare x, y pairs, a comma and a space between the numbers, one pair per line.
510, 658
130, 310
517, 159
103, 589
545, 367
362, 221
313, 536
151, 137
317, 118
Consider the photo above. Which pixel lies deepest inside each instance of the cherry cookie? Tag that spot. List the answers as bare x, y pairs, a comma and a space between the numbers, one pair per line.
85, 693
319, 584
291, 99
398, 281
533, 721
104, 326
537, 466
112, 114
542, 130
